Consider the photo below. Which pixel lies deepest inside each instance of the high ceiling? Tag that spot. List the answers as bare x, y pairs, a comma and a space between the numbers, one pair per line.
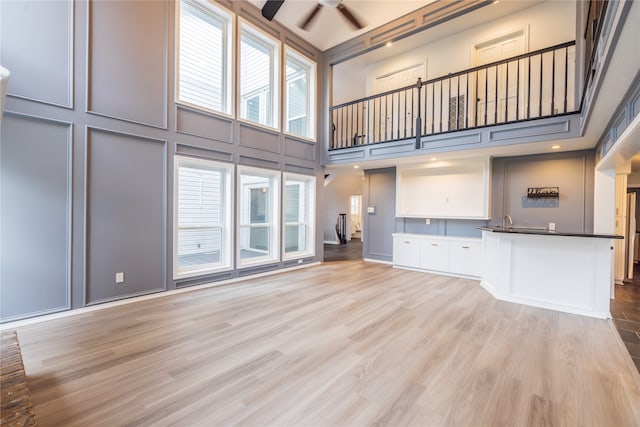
331, 28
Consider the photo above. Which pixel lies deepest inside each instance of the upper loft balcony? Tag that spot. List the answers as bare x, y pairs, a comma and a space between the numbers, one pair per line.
526, 98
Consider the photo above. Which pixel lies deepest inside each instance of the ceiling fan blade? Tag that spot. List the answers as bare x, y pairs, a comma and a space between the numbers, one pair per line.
311, 17
350, 17
270, 8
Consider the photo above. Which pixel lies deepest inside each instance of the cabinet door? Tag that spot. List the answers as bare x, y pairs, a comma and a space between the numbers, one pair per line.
466, 258
434, 255
406, 251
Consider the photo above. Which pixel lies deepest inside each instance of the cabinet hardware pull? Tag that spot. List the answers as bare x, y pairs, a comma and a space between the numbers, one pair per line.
407, 242
465, 247
434, 244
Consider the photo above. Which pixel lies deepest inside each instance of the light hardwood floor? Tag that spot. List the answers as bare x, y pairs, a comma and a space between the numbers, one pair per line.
346, 343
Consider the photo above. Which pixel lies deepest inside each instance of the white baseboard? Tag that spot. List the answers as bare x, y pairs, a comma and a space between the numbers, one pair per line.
378, 261
331, 242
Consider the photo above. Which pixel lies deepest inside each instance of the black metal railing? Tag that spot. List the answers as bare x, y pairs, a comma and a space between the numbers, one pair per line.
530, 86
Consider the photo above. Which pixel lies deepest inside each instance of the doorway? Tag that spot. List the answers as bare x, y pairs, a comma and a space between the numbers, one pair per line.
618, 174
356, 216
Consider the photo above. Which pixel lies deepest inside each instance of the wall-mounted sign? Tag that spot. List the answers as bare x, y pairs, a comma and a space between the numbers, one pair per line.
543, 192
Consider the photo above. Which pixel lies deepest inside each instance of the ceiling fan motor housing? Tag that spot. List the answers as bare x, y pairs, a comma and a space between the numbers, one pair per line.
330, 3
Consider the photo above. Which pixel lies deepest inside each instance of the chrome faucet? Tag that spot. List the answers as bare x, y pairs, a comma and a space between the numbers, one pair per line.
504, 221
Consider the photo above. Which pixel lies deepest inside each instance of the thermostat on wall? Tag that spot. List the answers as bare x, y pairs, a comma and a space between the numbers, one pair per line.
371, 209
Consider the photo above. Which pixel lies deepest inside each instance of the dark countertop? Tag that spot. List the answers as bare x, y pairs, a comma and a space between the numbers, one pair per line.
542, 232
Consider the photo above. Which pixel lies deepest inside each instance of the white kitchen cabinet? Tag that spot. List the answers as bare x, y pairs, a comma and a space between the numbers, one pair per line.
466, 257
444, 190
406, 251
434, 254
455, 256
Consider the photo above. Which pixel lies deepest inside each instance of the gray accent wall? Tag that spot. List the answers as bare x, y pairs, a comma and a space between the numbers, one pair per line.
89, 134
378, 227
127, 55
572, 172
45, 31
125, 228
35, 205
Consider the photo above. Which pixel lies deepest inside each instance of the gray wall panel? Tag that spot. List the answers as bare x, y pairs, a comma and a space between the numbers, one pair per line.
299, 149
204, 125
250, 137
572, 172
380, 192
125, 215
45, 31
127, 60
35, 200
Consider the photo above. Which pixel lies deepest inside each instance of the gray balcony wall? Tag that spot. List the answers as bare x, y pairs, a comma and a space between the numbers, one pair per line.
89, 133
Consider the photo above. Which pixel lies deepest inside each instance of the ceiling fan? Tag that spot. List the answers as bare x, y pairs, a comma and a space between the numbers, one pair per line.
271, 7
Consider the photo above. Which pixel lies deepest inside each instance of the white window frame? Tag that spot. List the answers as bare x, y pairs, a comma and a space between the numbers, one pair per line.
310, 206
274, 216
311, 93
227, 212
274, 65
229, 18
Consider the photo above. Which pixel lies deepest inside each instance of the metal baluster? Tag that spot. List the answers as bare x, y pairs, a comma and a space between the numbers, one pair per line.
392, 115
495, 100
466, 106
369, 132
518, 90
441, 105
418, 117
566, 76
540, 101
433, 108
405, 114
379, 117
529, 88
412, 103
486, 95
506, 95
553, 82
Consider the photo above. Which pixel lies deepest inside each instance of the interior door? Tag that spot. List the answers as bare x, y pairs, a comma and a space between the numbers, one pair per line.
492, 83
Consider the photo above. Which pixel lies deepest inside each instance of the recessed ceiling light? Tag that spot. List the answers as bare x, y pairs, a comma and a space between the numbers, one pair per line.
496, 2
555, 147
389, 44
433, 159
356, 166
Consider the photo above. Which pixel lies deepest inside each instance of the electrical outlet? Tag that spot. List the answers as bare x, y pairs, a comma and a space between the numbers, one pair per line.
427, 221
552, 226
299, 261
120, 277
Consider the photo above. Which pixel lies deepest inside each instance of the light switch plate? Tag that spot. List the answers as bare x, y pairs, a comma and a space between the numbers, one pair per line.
120, 277
371, 209
552, 226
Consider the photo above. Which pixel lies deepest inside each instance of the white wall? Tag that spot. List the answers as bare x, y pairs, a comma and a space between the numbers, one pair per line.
548, 24
348, 84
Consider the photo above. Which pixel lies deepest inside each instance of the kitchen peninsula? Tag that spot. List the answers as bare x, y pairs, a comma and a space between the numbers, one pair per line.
569, 272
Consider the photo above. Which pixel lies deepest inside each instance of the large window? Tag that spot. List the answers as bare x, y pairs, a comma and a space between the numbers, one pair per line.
204, 70
258, 76
300, 95
258, 215
202, 217
299, 209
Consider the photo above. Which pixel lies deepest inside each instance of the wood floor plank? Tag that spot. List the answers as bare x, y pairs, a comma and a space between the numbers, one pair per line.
344, 343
